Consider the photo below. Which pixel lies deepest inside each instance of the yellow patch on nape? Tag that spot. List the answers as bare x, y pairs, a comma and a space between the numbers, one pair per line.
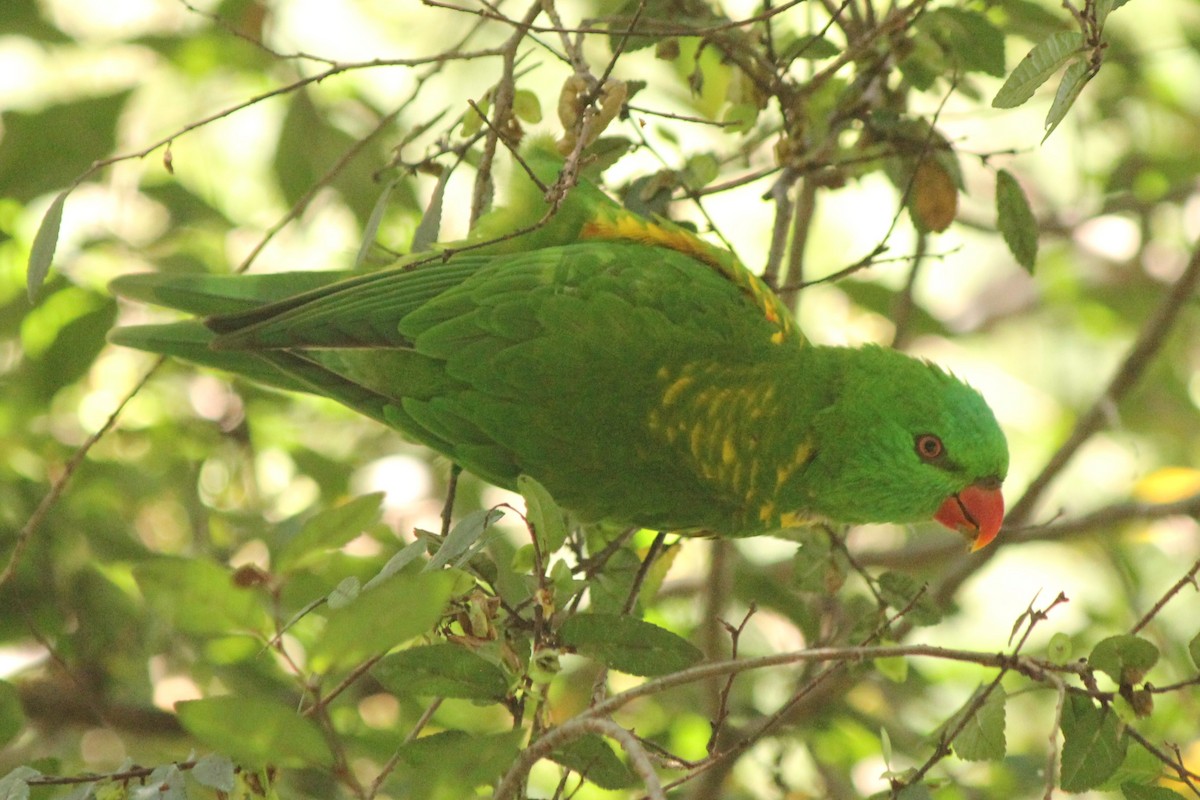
728, 451
797, 519
766, 513
799, 458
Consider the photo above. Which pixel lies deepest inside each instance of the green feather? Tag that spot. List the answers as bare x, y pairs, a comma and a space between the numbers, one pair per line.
638, 373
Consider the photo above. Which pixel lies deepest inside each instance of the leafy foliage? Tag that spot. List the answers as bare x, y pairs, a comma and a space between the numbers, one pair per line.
255, 595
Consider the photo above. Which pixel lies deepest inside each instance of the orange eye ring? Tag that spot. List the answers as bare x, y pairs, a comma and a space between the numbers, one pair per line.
929, 447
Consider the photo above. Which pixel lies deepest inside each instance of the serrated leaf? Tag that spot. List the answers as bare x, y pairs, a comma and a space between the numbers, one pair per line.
389, 615
628, 645
1094, 744
254, 730
1137, 791
1046, 57
199, 597
1015, 220
465, 759
464, 539
547, 519
328, 530
1074, 79
899, 589
441, 670
215, 771
972, 39
1125, 658
45, 242
982, 738
593, 758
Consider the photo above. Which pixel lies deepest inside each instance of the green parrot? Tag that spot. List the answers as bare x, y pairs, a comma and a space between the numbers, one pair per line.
642, 375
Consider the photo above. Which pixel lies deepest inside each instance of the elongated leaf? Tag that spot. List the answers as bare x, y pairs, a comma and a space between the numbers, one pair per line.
628, 644
41, 254
975, 43
549, 524
464, 539
1194, 649
371, 229
329, 530
593, 758
431, 221
1037, 66
388, 615
1073, 80
254, 730
982, 739
1015, 220
1094, 744
441, 670
407, 554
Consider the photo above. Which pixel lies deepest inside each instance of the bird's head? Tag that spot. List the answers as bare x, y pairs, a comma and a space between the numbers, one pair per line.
904, 441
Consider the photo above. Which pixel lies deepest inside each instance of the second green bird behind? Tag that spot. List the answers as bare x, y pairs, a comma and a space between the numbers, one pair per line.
641, 375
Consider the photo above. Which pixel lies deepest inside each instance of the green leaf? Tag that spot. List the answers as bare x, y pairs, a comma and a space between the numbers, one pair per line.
215, 771
628, 644
457, 762
982, 738
388, 615
894, 668
969, 36
1037, 66
1136, 791
199, 597
1058, 649
15, 785
441, 670
1106, 7
12, 715
1074, 79
527, 107
254, 730
405, 556
548, 521
1125, 658
1194, 649
810, 47
431, 221
1094, 744
899, 590
1015, 220
593, 758
371, 229
41, 254
329, 530
465, 539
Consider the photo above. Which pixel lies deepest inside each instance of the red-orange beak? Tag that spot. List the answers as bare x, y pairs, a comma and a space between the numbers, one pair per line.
976, 511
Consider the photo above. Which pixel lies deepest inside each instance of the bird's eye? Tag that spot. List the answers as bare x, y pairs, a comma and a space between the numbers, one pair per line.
929, 447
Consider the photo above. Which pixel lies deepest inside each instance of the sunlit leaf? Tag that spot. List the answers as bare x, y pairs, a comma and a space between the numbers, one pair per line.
329, 530
982, 738
1074, 79
389, 615
254, 730
199, 596
441, 670
594, 759
628, 644
548, 521
1037, 66
1094, 744
1125, 658
1015, 220
41, 255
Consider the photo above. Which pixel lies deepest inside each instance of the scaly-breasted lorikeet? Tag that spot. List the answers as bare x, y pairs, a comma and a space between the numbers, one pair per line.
640, 374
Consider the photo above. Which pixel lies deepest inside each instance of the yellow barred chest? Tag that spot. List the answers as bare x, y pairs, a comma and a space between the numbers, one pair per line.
725, 425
